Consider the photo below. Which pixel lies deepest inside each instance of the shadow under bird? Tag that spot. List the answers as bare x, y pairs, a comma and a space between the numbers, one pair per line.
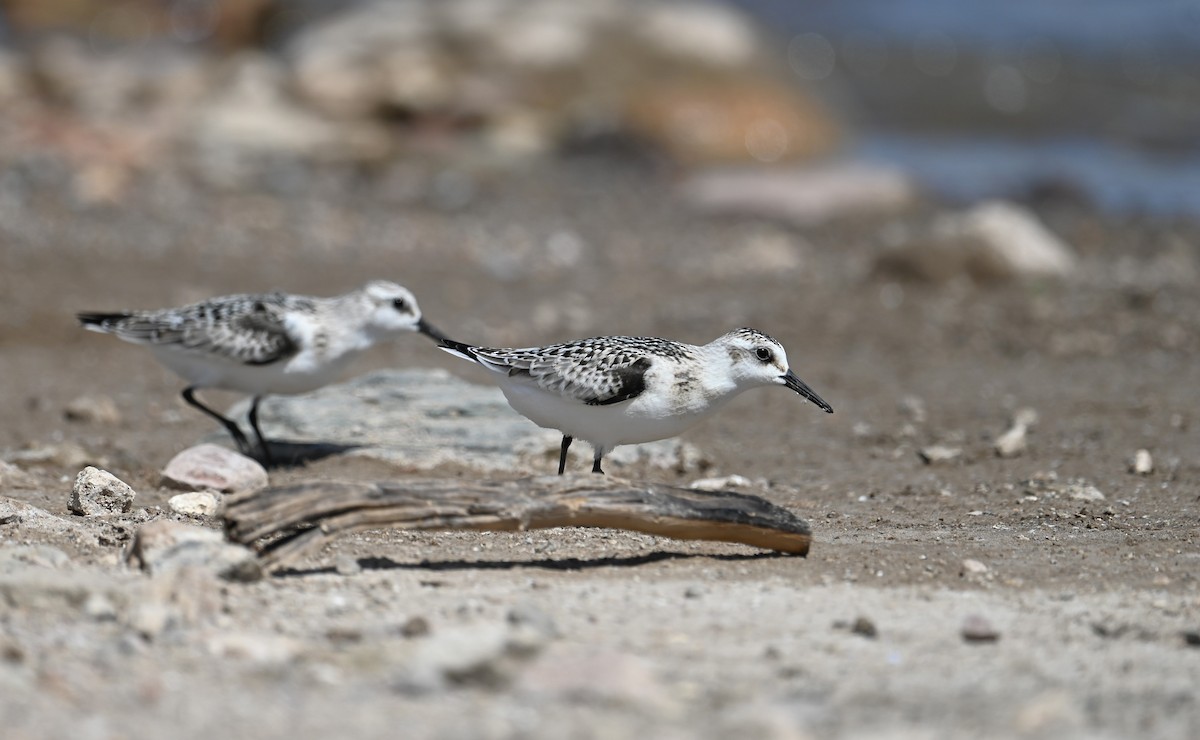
263, 344
614, 391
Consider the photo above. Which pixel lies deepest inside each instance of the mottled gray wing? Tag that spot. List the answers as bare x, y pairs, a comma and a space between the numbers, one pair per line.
587, 372
248, 329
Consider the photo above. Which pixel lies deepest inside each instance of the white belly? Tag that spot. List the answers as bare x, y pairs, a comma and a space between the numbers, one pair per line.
629, 422
300, 374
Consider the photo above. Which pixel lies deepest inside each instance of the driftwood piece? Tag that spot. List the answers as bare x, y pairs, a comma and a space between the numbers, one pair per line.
294, 519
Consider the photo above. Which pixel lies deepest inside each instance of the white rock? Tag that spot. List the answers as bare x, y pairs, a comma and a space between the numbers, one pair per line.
992, 241
806, 196
721, 484
1082, 491
938, 454
100, 492
699, 32
196, 503
1014, 440
970, 566
164, 545
210, 467
1142, 463
93, 410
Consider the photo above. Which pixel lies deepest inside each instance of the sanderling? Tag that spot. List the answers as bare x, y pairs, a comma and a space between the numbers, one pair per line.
273, 343
625, 390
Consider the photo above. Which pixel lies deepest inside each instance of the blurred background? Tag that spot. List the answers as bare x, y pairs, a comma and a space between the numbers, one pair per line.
921, 185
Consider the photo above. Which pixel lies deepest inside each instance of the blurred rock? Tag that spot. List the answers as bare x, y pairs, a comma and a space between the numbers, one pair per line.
63, 455
575, 673
92, 410
422, 419
712, 122
1013, 441
163, 545
722, 484
13, 477
992, 241
210, 467
21, 557
934, 454
59, 592
697, 79
262, 648
1142, 463
227, 23
486, 656
1082, 491
972, 567
760, 254
100, 492
976, 628
800, 196
196, 503
252, 116
32, 519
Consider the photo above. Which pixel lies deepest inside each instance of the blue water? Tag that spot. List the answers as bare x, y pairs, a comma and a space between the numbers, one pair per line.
1099, 25
1124, 172
1114, 178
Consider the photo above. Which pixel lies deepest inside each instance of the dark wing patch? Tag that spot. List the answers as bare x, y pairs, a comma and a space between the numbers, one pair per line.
596, 372
630, 382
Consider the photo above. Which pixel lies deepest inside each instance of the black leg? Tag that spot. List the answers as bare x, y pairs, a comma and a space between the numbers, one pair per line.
596, 463
262, 442
562, 455
189, 395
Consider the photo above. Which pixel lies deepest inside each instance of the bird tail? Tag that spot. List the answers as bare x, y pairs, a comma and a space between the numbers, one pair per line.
459, 349
101, 322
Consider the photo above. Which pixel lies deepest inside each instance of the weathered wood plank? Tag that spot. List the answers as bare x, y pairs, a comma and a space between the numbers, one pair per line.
297, 518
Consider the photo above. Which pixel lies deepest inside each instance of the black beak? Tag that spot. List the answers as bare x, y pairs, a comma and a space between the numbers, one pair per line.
428, 330
791, 380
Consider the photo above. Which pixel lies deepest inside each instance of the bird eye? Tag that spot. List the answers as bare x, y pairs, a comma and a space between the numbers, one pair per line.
763, 354
400, 305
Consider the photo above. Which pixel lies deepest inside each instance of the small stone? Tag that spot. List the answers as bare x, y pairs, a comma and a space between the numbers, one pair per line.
865, 627
913, 408
164, 545
692, 592
210, 467
150, 619
938, 454
99, 608
415, 627
196, 503
976, 628
1014, 441
1191, 638
93, 410
1142, 463
721, 484
1081, 491
100, 492
347, 565
971, 567
525, 616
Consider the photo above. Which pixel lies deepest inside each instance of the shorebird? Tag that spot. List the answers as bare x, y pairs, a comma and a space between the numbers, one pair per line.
614, 391
272, 343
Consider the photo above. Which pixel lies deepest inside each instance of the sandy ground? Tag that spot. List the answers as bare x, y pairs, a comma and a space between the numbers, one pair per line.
638, 636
